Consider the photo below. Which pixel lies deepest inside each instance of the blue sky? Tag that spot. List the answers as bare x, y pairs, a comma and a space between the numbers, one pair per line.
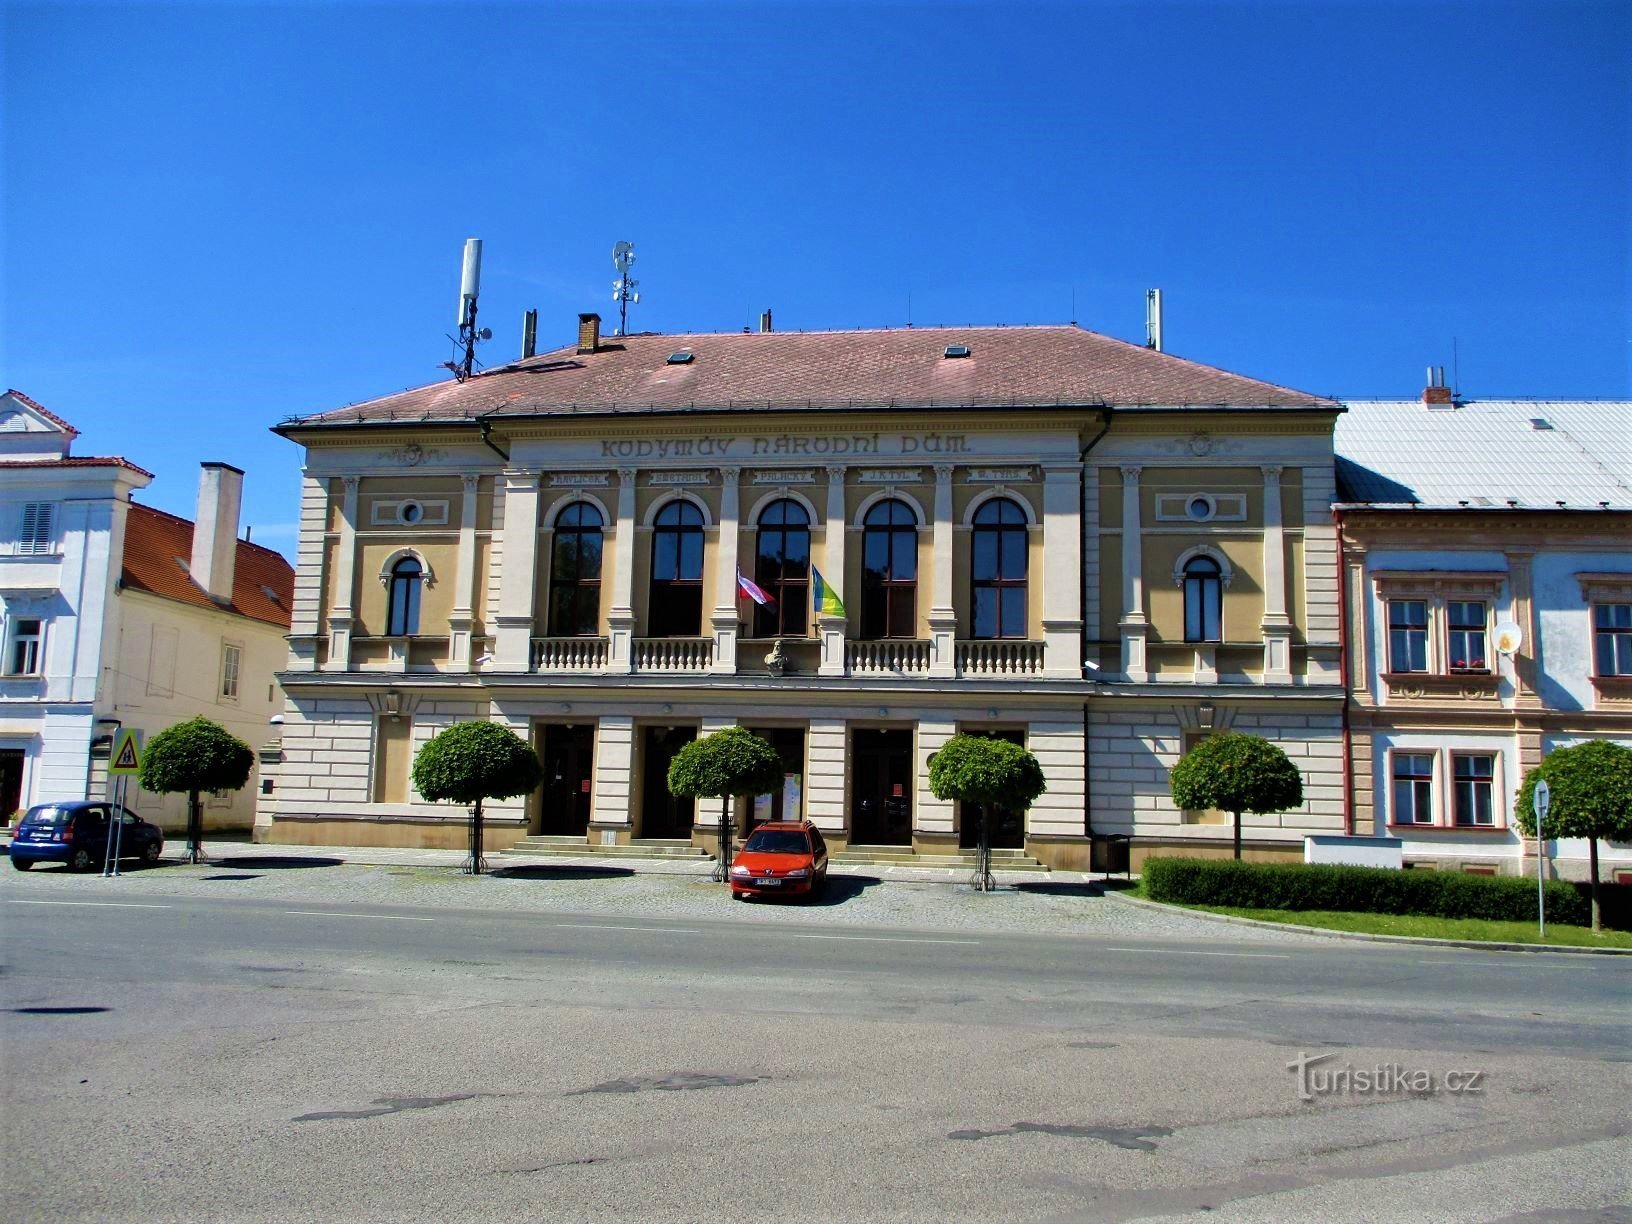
216, 215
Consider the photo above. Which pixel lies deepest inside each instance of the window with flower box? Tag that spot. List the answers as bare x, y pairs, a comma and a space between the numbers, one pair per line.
1609, 602
1438, 633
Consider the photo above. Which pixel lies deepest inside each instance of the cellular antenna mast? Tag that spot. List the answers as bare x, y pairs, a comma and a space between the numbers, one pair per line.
470, 284
623, 289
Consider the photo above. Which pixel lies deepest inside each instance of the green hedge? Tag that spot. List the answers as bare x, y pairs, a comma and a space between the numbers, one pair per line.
1365, 890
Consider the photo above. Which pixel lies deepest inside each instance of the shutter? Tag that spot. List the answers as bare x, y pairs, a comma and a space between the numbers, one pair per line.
36, 535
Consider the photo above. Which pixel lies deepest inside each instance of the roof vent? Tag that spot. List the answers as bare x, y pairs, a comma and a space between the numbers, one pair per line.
956, 350
683, 357
1540, 423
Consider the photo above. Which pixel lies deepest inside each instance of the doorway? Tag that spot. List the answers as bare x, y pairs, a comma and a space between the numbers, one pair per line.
1008, 829
568, 757
881, 787
663, 815
11, 781
788, 801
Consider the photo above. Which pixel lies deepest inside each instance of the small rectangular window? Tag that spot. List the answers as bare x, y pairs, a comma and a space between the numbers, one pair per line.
1474, 776
23, 657
1465, 621
231, 660
1413, 788
1407, 635
1612, 638
37, 534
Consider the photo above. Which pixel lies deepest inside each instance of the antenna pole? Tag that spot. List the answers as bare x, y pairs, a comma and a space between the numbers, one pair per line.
467, 337
624, 288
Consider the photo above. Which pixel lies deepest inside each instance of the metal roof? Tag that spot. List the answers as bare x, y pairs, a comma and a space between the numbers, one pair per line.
1486, 454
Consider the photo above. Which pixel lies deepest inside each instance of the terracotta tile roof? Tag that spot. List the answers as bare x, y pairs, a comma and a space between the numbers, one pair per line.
44, 412
117, 461
158, 546
1007, 367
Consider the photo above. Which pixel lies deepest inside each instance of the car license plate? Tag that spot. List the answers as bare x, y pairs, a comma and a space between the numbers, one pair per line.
767, 883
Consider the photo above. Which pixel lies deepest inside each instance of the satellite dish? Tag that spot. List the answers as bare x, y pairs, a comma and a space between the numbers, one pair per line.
1509, 637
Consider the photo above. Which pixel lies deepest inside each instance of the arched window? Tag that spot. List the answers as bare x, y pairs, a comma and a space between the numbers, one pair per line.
998, 570
1203, 600
782, 568
889, 571
676, 606
402, 606
575, 572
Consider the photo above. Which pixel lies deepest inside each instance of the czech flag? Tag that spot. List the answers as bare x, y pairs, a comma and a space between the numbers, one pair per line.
753, 590
828, 602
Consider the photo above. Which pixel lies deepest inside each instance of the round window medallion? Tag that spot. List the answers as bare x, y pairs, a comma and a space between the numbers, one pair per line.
1199, 508
411, 512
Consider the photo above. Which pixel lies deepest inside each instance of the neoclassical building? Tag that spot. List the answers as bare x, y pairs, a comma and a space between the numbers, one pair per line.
856, 543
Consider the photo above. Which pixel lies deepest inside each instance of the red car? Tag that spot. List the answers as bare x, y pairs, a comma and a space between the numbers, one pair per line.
778, 859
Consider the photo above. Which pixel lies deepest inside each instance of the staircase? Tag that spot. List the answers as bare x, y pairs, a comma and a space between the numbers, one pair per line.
906, 856
579, 847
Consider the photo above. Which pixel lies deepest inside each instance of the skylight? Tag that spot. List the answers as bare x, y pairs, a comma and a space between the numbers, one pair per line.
956, 350
683, 357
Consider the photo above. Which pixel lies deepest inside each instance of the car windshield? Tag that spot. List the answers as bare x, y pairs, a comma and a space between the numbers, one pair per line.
779, 841
52, 816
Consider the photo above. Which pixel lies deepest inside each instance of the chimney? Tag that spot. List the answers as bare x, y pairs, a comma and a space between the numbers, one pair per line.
1436, 394
765, 322
529, 334
215, 529
589, 332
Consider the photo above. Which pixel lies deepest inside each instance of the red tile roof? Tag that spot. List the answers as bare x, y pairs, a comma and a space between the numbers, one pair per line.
1007, 367
157, 549
117, 461
44, 412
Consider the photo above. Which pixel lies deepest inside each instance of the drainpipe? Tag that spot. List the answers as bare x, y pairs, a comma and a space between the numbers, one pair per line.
1343, 674
1082, 615
486, 427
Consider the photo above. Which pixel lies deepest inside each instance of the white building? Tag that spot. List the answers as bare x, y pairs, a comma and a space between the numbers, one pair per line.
119, 615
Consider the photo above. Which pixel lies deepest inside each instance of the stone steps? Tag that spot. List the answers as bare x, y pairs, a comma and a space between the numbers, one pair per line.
579, 847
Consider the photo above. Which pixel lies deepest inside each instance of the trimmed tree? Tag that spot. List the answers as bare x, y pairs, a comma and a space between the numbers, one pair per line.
469, 762
191, 758
991, 772
1591, 797
731, 762
1236, 773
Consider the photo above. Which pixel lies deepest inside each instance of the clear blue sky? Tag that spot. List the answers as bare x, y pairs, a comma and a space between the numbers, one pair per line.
217, 215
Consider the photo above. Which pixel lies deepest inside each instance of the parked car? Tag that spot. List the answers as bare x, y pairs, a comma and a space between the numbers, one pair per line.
76, 834
778, 859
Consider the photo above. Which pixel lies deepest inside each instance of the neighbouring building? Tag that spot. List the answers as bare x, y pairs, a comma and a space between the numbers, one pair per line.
1487, 552
1102, 551
118, 615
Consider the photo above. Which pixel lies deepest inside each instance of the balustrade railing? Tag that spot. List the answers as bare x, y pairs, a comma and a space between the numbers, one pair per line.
887, 657
1000, 658
569, 654
691, 654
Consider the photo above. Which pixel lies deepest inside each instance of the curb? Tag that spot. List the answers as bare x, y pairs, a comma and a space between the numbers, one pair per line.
1364, 937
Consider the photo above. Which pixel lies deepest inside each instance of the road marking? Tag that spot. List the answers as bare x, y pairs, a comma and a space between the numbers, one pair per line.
973, 943
106, 904
1188, 952
384, 917
601, 926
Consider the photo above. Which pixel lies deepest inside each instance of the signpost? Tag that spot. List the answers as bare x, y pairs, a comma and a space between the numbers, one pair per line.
123, 764
1539, 798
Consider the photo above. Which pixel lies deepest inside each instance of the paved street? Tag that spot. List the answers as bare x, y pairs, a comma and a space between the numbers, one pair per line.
262, 1040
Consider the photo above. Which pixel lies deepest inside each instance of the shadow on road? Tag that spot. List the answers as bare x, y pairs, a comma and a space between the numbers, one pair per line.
560, 872
277, 862
1047, 888
837, 891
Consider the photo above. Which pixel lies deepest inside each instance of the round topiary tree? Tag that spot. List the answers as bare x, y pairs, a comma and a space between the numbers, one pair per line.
1590, 789
472, 761
991, 772
1236, 773
731, 762
190, 758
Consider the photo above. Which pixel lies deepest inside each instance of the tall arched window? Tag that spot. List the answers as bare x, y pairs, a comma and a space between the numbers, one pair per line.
889, 571
402, 604
782, 568
575, 572
998, 570
1203, 600
676, 605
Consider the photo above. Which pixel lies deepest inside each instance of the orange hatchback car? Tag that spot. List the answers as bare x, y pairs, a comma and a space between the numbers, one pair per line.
778, 859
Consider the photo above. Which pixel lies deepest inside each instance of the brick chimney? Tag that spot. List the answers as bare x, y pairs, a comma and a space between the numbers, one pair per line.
1436, 394
589, 333
215, 529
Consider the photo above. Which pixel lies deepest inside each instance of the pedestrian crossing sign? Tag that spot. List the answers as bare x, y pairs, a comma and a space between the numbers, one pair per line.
127, 756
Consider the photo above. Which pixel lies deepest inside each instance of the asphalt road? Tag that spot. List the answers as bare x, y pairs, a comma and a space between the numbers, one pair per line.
182, 1058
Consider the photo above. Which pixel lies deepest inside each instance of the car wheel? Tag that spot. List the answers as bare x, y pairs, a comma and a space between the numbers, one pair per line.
79, 859
151, 854
22, 864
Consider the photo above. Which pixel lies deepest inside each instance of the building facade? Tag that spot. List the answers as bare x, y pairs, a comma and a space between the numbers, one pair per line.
1487, 550
856, 543
117, 615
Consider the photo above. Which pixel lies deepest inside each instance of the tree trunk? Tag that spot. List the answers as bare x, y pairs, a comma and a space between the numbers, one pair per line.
1238, 837
1592, 856
477, 864
195, 828
725, 837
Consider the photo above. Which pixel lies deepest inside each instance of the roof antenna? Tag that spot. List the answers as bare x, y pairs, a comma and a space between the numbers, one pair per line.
1073, 305
623, 289
1153, 319
1456, 372
470, 284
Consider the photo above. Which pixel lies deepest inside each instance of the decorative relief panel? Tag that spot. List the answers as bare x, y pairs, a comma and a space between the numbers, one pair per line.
785, 476
890, 476
1201, 508
580, 480
997, 475
679, 478
409, 513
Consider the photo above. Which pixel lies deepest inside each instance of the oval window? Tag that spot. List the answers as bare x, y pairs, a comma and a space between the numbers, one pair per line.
411, 512
1199, 508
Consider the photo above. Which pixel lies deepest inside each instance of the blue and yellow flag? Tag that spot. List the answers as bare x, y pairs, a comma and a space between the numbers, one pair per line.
828, 602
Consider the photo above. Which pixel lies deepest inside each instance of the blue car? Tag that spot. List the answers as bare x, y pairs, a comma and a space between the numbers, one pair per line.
77, 834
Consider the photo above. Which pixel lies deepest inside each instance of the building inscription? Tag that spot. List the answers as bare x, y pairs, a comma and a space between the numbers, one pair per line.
784, 444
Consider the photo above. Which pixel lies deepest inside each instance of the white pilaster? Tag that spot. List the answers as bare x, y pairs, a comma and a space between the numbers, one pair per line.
1277, 626
621, 619
614, 774
345, 580
1134, 625
832, 628
1062, 572
943, 617
461, 619
825, 799
725, 622
514, 621
932, 815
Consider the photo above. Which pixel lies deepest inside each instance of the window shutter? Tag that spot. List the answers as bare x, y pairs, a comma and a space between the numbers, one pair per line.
36, 536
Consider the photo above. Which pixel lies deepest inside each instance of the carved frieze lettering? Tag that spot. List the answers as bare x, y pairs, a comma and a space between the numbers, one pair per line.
579, 480
997, 475
785, 476
890, 475
679, 478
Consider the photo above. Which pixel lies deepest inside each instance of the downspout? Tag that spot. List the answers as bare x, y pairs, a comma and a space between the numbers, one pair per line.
1082, 616
1343, 674
486, 426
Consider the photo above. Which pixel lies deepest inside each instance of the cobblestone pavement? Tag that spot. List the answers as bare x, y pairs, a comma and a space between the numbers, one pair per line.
887, 898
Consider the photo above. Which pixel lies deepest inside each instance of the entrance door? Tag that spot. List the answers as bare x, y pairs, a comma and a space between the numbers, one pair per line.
881, 788
1008, 829
569, 762
787, 802
11, 781
662, 815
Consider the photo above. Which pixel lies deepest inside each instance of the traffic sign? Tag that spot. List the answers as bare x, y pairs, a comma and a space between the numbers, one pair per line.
127, 756
1541, 797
